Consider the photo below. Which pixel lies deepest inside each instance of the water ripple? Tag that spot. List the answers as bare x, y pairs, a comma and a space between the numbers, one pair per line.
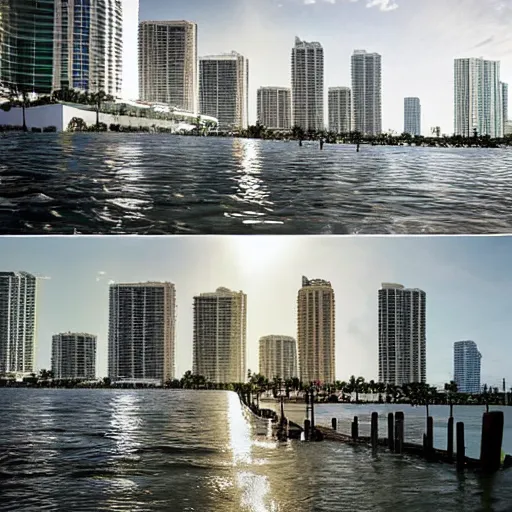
162, 184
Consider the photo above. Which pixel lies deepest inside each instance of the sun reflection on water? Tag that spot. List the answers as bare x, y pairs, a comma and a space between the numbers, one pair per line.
125, 422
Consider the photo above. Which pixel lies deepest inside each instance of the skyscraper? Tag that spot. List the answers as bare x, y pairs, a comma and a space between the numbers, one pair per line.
402, 335
74, 356
412, 116
477, 100
340, 109
47, 45
315, 326
26, 44
367, 92
220, 320
274, 108
17, 322
88, 45
308, 85
278, 357
504, 100
168, 63
223, 89
141, 336
466, 366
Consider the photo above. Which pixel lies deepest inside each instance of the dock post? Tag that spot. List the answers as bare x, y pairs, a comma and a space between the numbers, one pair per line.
430, 437
391, 431
461, 447
307, 428
450, 438
282, 409
375, 432
312, 413
334, 423
492, 438
399, 432
355, 429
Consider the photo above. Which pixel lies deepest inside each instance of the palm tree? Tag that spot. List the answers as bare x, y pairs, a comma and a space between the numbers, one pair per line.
17, 95
451, 388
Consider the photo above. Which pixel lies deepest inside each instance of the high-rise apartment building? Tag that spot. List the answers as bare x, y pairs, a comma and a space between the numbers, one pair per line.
478, 98
274, 108
88, 45
402, 335
141, 337
47, 45
412, 116
278, 357
168, 63
466, 366
220, 323
17, 322
504, 100
308, 85
340, 109
367, 92
316, 326
74, 356
224, 90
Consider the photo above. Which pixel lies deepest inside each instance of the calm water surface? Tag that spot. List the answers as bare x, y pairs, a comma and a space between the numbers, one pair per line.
199, 451
162, 184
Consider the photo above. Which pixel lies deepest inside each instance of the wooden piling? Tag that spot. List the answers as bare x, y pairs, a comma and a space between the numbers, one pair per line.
461, 447
391, 431
282, 408
449, 446
334, 423
355, 429
399, 432
307, 429
312, 412
375, 432
492, 438
430, 437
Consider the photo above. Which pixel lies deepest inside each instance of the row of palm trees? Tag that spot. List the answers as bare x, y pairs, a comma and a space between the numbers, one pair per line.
258, 131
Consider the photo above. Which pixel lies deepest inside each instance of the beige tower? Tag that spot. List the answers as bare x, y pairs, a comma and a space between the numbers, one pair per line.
220, 320
168, 63
315, 325
278, 357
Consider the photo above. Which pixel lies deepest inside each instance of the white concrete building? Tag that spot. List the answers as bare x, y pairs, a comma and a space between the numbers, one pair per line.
224, 90
168, 63
278, 357
316, 331
74, 356
412, 116
307, 63
367, 92
219, 344
18, 301
141, 336
340, 109
478, 98
274, 108
402, 335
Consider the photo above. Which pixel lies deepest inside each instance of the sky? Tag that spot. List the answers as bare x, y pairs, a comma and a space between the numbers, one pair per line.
418, 41
467, 281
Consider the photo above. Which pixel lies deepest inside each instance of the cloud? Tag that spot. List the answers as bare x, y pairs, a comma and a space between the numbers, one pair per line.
100, 275
383, 5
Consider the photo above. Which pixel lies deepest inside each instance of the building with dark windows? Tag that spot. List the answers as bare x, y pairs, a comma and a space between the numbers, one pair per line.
274, 108
27, 31
17, 323
412, 116
402, 335
74, 356
141, 336
47, 45
466, 366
